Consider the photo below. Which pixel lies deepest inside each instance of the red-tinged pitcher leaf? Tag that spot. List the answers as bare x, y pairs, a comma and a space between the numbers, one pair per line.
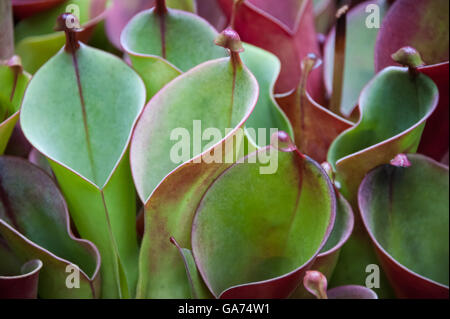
17, 280
392, 120
171, 176
255, 235
435, 138
329, 255
211, 11
163, 42
121, 12
29, 202
13, 81
406, 212
285, 28
410, 23
315, 127
86, 142
363, 22
35, 37
26, 8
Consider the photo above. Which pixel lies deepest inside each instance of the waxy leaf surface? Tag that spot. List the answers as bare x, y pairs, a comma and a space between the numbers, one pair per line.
35, 224
79, 111
406, 212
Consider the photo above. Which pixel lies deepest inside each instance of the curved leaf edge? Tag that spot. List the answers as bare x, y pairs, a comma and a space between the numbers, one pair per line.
372, 236
295, 271
198, 157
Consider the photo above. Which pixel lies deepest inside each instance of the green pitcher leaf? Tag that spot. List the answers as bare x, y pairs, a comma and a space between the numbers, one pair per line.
13, 81
163, 42
394, 107
254, 235
362, 31
405, 209
216, 95
30, 201
79, 111
36, 40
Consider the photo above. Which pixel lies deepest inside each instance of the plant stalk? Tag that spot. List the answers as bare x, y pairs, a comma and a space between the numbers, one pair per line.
7, 31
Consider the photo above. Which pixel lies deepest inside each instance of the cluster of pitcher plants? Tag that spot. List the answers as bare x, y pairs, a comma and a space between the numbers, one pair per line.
348, 100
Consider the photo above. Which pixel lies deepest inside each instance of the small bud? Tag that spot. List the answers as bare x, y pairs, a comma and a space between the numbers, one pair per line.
401, 160
69, 23
316, 283
408, 56
229, 39
282, 141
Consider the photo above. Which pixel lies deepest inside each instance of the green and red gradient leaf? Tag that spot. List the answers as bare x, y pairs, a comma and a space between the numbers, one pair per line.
221, 94
255, 235
329, 255
79, 111
405, 209
29, 202
394, 107
423, 25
